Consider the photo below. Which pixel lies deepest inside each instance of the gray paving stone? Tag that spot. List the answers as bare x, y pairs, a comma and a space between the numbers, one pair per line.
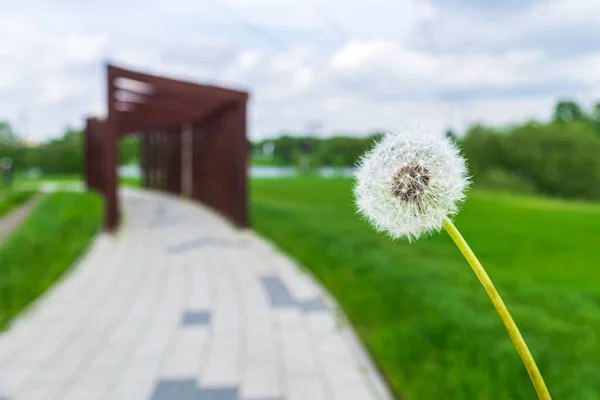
202, 242
312, 305
279, 294
196, 318
229, 393
186, 246
184, 389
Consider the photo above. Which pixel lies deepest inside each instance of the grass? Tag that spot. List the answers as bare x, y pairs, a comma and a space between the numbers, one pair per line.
419, 308
11, 199
130, 181
56, 232
67, 179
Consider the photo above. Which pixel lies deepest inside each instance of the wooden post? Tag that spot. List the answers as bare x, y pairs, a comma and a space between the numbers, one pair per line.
173, 149
93, 155
238, 178
152, 160
110, 157
144, 158
88, 150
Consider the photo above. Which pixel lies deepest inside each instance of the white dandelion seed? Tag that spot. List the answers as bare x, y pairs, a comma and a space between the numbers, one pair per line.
409, 182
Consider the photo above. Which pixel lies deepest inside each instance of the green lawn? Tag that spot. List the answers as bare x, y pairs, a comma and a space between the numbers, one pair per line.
419, 308
56, 232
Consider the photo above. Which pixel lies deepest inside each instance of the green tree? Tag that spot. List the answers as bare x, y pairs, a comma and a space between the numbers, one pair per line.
568, 111
129, 149
484, 149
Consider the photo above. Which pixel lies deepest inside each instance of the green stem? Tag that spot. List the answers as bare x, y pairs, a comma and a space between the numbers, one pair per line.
509, 323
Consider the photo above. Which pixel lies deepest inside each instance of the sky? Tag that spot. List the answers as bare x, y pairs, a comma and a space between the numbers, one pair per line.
329, 66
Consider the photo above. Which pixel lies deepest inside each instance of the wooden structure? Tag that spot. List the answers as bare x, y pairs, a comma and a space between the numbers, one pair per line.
193, 141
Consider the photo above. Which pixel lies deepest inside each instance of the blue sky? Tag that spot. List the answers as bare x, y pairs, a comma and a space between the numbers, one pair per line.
353, 65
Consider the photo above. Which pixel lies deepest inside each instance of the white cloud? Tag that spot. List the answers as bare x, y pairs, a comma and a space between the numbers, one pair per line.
356, 65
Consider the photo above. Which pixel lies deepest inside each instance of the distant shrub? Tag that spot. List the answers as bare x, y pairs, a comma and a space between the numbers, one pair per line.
557, 159
500, 179
562, 159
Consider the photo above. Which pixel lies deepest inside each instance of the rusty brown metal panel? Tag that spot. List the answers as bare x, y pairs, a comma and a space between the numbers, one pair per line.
181, 87
211, 165
88, 151
241, 192
235, 121
152, 178
230, 198
96, 180
186, 160
92, 155
110, 158
173, 150
144, 161
157, 160
221, 160
197, 145
162, 160
219, 157
164, 153
145, 118
203, 146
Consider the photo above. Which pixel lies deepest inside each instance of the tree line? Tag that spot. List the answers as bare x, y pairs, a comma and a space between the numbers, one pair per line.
559, 157
57, 156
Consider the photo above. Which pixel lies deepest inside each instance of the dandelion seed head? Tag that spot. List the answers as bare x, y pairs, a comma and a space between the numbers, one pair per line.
409, 182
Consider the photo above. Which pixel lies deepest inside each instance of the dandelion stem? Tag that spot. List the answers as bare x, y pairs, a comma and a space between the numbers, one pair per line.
509, 323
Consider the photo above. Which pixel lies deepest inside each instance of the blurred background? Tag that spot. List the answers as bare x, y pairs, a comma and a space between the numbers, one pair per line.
516, 84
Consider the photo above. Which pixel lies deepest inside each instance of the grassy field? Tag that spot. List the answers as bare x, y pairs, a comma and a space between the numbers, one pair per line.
419, 308
56, 232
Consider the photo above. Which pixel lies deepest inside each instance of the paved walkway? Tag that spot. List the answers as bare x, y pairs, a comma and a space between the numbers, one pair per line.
11, 220
180, 306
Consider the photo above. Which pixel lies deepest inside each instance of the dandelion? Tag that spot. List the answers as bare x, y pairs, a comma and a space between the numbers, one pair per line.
410, 184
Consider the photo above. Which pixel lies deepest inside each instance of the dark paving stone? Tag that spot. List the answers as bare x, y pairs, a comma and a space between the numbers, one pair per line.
263, 398
198, 243
312, 305
184, 389
278, 293
218, 394
196, 318
161, 210
183, 247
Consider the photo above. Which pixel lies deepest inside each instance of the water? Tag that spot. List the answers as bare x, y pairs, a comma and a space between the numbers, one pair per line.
133, 171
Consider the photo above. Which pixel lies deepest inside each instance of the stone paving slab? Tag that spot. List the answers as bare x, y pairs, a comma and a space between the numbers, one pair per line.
180, 305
